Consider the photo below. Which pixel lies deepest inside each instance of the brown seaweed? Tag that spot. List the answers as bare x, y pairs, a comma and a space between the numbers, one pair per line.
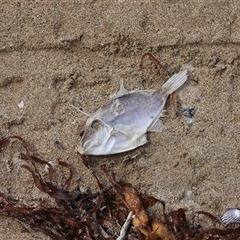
99, 215
77, 215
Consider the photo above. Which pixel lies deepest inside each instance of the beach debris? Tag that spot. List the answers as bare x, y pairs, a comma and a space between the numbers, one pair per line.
232, 215
125, 226
114, 212
122, 124
150, 228
58, 144
189, 113
187, 195
76, 214
21, 104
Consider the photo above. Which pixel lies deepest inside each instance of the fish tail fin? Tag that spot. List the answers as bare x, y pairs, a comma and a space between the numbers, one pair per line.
175, 82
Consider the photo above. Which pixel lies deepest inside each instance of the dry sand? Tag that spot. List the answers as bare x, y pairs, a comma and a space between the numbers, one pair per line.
61, 53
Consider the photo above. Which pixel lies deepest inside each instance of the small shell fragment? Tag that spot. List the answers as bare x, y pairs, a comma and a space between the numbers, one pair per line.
46, 168
188, 195
21, 104
231, 215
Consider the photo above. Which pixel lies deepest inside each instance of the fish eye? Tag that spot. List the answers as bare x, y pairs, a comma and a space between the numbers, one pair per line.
96, 124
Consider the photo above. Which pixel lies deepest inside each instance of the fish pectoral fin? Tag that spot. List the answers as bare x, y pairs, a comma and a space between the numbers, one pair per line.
157, 126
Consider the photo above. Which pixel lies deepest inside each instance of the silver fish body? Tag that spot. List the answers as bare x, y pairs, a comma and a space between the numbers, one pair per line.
122, 124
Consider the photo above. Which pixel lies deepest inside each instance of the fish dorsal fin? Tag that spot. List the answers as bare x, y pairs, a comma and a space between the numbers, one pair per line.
81, 111
122, 90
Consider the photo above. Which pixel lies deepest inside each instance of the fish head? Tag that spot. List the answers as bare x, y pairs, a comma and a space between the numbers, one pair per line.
95, 137
101, 139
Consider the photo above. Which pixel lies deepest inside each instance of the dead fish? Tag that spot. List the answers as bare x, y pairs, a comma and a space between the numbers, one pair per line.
122, 124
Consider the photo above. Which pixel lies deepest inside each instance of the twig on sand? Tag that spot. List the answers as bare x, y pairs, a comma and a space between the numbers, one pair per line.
125, 226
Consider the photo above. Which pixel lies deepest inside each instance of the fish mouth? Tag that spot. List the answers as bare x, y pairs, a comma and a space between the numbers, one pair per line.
87, 143
95, 137
84, 146
81, 150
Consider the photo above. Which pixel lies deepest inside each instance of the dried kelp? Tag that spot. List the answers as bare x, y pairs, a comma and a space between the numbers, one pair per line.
76, 214
100, 215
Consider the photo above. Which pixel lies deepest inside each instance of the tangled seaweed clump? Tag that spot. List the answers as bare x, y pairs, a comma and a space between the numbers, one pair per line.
101, 215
